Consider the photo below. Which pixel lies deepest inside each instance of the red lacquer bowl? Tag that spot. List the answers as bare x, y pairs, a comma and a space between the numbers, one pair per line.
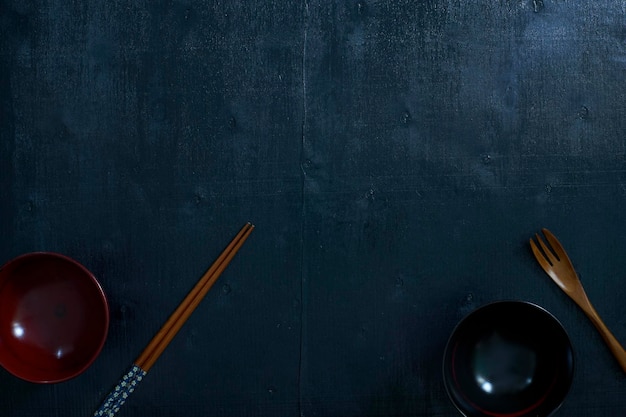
54, 317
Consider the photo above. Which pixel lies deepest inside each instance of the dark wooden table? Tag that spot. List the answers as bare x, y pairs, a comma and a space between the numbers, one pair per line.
395, 156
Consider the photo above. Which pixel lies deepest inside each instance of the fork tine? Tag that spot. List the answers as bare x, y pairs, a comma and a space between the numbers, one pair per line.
548, 252
556, 245
545, 264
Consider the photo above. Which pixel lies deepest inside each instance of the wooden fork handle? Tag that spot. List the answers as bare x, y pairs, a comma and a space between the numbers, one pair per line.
614, 346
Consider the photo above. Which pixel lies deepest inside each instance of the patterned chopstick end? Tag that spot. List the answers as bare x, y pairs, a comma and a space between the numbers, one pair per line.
120, 393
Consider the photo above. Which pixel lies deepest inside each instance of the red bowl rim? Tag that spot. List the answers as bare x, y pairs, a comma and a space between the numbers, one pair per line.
103, 297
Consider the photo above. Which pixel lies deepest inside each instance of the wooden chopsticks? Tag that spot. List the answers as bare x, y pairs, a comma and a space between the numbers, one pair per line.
117, 397
164, 336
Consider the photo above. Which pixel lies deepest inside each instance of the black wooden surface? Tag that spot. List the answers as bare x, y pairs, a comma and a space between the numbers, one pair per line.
395, 156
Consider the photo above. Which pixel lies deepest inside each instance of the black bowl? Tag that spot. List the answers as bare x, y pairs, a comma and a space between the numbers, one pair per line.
508, 359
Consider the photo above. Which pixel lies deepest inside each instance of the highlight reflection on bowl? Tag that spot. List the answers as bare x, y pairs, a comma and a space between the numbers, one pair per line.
502, 366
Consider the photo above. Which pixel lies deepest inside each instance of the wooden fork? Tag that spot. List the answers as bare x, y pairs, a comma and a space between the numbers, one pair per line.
554, 260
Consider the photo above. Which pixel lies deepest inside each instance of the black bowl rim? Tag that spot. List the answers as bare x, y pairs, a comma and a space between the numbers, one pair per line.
511, 302
105, 302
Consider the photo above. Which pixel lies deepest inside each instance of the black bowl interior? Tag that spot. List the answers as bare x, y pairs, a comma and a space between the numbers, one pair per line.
508, 359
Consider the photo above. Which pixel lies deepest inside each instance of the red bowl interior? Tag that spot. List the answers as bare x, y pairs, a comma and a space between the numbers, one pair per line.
54, 317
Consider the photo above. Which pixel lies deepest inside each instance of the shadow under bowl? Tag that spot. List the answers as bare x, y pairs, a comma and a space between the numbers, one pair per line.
54, 317
508, 359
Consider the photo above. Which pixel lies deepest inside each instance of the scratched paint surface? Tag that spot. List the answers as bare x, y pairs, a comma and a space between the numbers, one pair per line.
394, 156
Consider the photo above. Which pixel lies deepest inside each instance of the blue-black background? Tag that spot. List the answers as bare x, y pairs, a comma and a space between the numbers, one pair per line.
395, 156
